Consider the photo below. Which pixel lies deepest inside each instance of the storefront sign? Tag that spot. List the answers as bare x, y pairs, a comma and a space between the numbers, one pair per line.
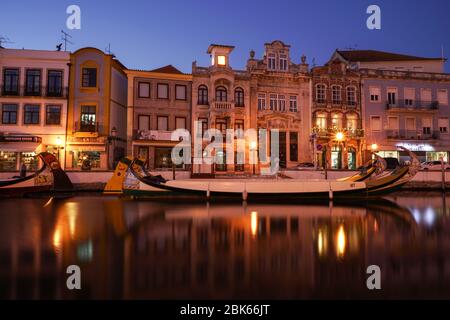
20, 139
416, 146
155, 135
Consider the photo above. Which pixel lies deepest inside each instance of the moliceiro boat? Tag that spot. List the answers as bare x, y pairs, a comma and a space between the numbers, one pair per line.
137, 182
50, 177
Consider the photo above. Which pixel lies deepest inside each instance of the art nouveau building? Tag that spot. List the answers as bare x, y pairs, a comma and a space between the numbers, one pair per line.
159, 102
220, 100
96, 127
336, 116
279, 97
33, 102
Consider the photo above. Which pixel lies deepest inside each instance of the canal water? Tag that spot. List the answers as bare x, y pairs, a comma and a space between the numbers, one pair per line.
170, 250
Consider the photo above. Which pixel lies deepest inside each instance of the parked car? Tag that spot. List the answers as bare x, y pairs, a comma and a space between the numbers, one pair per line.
303, 166
434, 165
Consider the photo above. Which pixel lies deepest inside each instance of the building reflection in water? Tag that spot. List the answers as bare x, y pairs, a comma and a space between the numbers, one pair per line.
142, 249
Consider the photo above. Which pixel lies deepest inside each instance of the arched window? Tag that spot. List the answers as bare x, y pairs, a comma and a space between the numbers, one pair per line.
320, 93
352, 122
351, 96
239, 97
202, 95
336, 120
221, 94
321, 121
336, 96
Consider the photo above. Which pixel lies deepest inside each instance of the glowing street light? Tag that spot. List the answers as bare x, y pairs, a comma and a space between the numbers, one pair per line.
340, 136
374, 147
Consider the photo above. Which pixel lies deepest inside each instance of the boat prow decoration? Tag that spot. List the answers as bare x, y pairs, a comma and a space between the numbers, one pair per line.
50, 177
115, 184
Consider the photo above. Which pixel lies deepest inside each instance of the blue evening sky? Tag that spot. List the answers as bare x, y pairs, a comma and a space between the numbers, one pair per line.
149, 34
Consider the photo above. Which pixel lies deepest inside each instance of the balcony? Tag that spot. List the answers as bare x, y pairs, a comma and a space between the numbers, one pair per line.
413, 135
413, 105
321, 103
86, 127
45, 92
222, 105
331, 133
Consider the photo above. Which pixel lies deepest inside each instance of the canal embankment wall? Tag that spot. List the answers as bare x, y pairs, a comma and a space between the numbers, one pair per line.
96, 180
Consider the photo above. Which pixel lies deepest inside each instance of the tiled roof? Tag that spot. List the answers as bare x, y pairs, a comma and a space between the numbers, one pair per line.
374, 56
167, 69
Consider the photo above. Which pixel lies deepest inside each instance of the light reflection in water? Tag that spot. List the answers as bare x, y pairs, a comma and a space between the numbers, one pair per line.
160, 250
341, 242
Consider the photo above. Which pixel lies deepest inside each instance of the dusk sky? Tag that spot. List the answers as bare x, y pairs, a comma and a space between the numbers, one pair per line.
150, 34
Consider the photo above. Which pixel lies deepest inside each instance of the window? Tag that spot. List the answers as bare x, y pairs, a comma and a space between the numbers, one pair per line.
336, 94
8, 161
425, 95
11, 82
393, 123
239, 125
293, 104
271, 64
426, 125
442, 97
53, 115
180, 92
239, 97
221, 60
320, 93
163, 123
204, 122
163, 158
443, 125
374, 94
351, 96
54, 83
321, 121
293, 146
375, 123
261, 101
283, 62
143, 122
89, 78
163, 91
180, 123
410, 94
392, 96
88, 119
9, 114
33, 82
352, 122
411, 125
202, 95
144, 90
281, 103
336, 120
31, 114
273, 102
221, 94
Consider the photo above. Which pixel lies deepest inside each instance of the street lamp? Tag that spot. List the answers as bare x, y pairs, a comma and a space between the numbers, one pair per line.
253, 148
58, 145
374, 147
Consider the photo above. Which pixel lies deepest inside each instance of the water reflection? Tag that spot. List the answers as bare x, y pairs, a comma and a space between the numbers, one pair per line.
156, 250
